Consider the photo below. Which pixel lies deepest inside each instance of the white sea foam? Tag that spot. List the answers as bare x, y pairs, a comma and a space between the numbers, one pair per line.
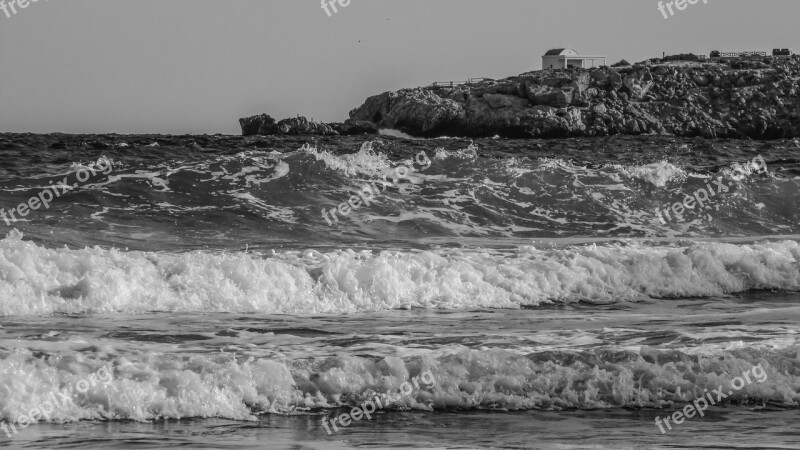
154, 386
658, 174
395, 133
35, 280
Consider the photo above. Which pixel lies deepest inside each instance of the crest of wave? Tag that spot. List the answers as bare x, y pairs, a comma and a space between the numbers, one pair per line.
365, 162
38, 280
468, 153
152, 386
658, 173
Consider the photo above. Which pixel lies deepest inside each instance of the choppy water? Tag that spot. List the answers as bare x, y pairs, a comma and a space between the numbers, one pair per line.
532, 279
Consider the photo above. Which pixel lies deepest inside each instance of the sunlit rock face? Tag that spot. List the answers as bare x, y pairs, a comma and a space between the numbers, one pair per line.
746, 99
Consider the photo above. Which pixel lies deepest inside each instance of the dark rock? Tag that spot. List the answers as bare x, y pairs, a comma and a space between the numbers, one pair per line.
355, 127
258, 125
301, 125
264, 125
614, 80
418, 111
545, 95
498, 101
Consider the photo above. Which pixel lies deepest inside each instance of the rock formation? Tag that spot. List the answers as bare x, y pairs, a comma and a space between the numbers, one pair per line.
746, 99
265, 125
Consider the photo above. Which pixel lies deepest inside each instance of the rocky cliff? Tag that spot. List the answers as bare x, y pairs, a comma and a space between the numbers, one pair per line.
755, 99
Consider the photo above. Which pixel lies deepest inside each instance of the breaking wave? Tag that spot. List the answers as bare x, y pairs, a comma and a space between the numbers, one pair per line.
147, 387
36, 280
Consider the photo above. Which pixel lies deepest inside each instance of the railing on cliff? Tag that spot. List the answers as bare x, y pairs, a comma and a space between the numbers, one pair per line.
717, 54
452, 84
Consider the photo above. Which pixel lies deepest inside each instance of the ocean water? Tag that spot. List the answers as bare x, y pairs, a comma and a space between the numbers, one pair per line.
190, 291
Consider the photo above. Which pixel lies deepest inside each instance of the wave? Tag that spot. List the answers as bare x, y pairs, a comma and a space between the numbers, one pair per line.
36, 280
466, 191
155, 386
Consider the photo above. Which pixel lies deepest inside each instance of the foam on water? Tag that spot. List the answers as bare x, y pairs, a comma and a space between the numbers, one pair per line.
658, 174
35, 280
152, 386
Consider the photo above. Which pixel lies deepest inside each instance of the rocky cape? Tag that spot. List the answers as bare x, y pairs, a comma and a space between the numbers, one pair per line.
740, 99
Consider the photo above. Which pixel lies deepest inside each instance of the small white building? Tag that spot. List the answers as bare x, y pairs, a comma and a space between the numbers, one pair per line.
565, 58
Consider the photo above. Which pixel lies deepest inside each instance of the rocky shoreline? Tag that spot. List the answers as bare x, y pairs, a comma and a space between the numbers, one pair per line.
753, 99
265, 125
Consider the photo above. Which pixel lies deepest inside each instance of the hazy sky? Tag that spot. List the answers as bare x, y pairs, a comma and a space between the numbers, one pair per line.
196, 66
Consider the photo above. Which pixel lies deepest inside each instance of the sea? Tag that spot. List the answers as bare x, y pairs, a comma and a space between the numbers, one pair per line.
235, 292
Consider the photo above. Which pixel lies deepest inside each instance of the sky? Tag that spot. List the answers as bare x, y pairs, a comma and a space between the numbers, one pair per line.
197, 66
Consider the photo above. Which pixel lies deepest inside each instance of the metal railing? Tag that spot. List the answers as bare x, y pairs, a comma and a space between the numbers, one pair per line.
452, 84
716, 54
